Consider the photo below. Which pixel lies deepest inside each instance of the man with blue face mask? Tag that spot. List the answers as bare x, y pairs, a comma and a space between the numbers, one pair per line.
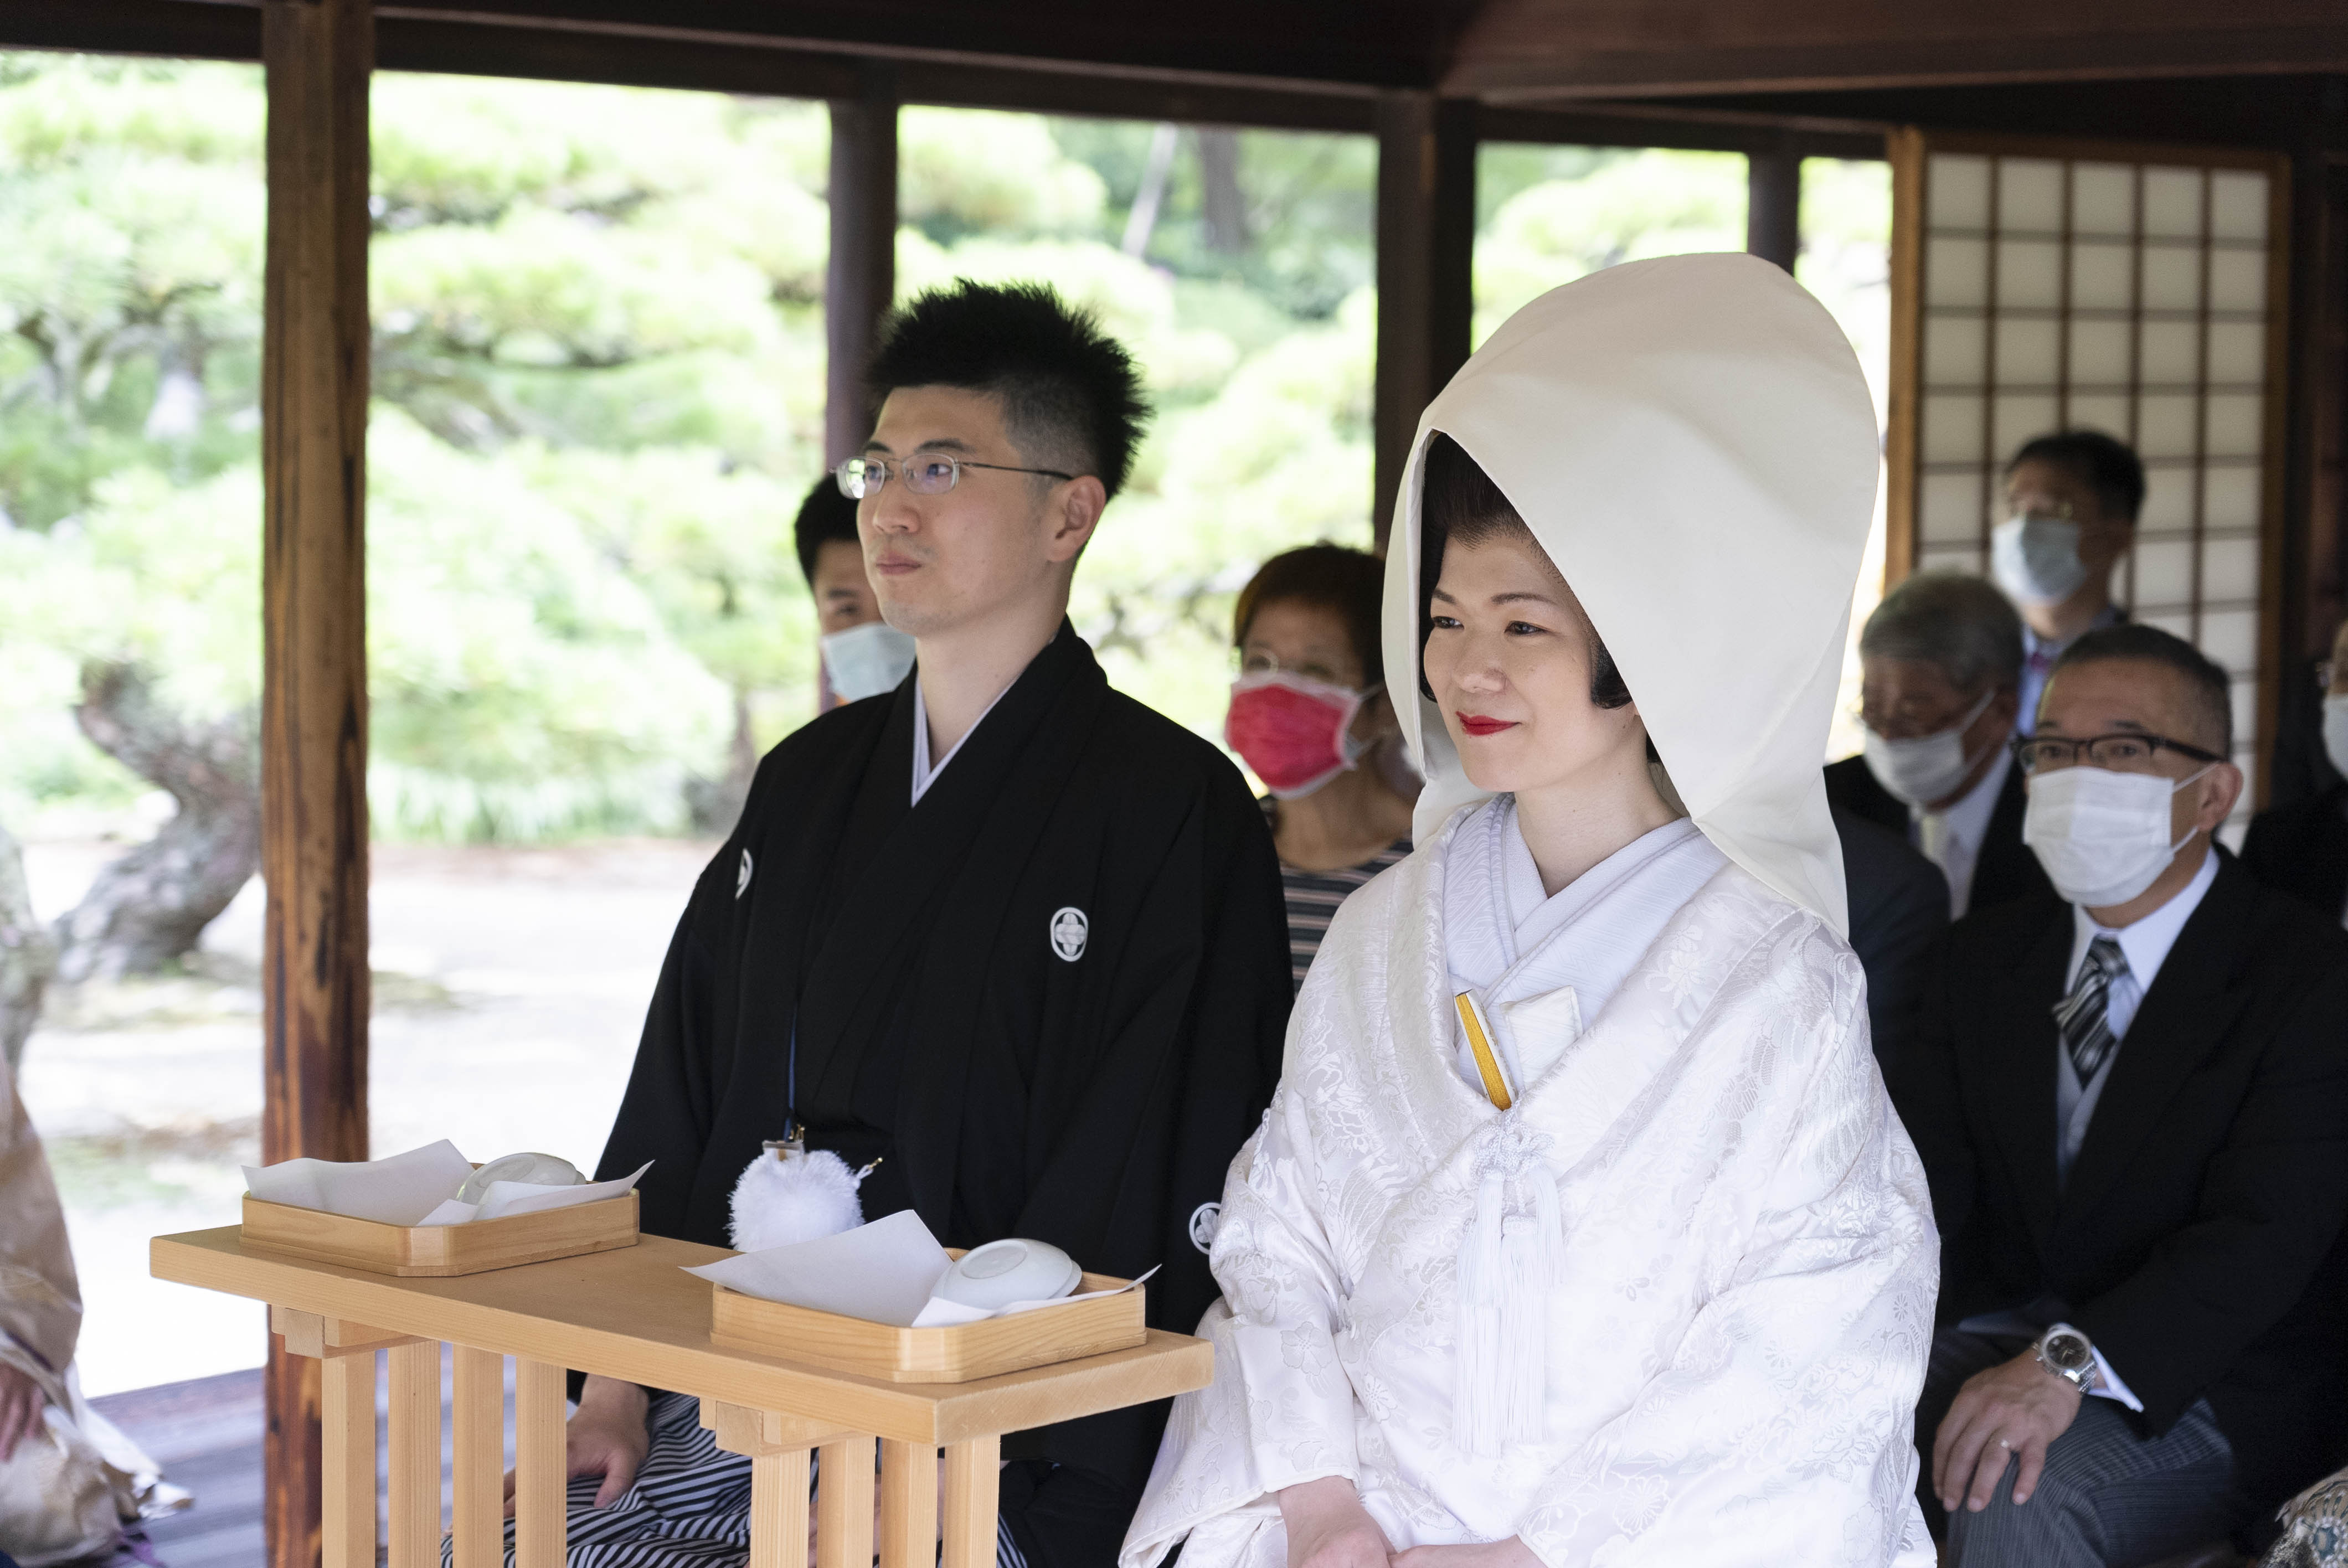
2071, 501
2128, 1104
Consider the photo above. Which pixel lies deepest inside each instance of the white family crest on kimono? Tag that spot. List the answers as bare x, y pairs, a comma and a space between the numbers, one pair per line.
1742, 1285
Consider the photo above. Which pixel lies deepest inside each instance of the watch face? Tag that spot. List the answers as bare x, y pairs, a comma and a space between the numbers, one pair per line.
2068, 1352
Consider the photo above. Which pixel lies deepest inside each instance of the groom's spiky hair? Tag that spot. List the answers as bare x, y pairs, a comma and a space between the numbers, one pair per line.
1071, 397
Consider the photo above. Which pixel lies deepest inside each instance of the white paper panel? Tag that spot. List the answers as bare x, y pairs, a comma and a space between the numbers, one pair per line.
2103, 199
2168, 500
1948, 508
2175, 625
2103, 277
2172, 278
2027, 349
2105, 412
2164, 571
1953, 428
2230, 498
2029, 275
2099, 353
2233, 428
1949, 560
2020, 417
2163, 426
2230, 570
2245, 692
2172, 202
1956, 271
2172, 354
2237, 205
2030, 194
1955, 350
2238, 351
2238, 279
2232, 638
1957, 191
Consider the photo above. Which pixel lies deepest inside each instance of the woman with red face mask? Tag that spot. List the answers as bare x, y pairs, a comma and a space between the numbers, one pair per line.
1311, 718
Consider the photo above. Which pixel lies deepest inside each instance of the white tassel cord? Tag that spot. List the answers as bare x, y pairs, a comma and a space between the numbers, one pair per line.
786, 1196
1507, 1271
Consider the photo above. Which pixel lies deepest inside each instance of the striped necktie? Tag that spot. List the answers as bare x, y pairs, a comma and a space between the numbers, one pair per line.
2083, 1018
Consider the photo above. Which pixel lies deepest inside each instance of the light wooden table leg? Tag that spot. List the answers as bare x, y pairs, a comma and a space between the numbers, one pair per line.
416, 1454
539, 1465
844, 1505
347, 1434
778, 1510
972, 1488
909, 1504
477, 1442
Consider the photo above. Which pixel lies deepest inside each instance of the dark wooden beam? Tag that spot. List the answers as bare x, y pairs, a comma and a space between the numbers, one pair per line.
861, 278
1425, 241
313, 727
1773, 206
1563, 49
1810, 134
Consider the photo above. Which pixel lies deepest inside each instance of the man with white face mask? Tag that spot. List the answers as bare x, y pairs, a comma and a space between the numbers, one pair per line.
2071, 501
2129, 1104
2302, 848
860, 655
1940, 662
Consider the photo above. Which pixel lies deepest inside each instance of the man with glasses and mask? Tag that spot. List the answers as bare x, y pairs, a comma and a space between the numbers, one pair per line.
2130, 1105
1004, 936
2071, 501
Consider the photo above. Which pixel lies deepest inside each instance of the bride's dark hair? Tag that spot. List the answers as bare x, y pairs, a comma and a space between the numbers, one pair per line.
1460, 504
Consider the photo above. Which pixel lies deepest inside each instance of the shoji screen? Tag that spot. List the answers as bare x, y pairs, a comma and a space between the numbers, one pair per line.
2136, 290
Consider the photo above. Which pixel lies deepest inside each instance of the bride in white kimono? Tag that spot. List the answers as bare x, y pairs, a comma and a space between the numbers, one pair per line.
1581, 1229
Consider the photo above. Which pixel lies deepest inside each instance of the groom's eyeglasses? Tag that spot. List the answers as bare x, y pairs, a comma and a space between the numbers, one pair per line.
923, 472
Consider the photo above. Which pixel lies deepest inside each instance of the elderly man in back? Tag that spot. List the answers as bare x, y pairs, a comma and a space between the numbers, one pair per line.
2132, 1103
1940, 663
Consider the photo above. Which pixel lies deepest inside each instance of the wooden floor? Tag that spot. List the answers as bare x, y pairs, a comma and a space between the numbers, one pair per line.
206, 1434
207, 1437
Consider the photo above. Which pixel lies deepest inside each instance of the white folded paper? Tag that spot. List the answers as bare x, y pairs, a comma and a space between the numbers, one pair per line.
885, 1272
505, 1199
411, 1189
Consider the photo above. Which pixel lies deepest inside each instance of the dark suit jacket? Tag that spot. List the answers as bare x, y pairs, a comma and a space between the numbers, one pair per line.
2006, 869
2198, 1241
2302, 849
1899, 907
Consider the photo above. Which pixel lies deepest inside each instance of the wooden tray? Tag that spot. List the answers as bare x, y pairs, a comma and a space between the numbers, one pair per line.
986, 1348
427, 1251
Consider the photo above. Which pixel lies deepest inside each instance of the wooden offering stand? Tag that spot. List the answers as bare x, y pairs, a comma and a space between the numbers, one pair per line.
633, 1313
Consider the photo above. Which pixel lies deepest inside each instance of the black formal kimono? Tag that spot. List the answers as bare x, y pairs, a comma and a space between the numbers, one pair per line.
2302, 849
1051, 997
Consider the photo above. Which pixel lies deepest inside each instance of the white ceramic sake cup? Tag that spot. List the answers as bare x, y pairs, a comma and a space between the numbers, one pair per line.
1001, 1272
539, 1170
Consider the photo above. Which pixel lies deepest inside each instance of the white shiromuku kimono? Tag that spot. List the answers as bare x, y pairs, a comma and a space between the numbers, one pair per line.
1738, 1333
1672, 1305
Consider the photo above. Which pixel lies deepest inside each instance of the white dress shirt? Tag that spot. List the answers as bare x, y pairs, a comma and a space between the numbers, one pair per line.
924, 773
2145, 945
1953, 839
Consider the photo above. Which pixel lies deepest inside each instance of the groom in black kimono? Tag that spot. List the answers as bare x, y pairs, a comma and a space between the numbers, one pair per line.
1010, 932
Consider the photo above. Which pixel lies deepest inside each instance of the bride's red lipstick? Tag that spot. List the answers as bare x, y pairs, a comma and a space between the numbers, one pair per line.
1477, 724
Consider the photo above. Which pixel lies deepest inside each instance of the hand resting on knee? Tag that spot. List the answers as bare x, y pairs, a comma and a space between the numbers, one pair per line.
608, 1435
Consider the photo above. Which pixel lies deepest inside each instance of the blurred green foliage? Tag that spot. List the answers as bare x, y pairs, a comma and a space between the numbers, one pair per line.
599, 381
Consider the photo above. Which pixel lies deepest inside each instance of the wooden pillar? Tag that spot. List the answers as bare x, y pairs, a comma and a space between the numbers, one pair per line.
861, 278
1426, 250
1773, 206
316, 55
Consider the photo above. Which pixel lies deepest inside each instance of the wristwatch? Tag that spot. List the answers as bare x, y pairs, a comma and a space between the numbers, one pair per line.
2070, 1356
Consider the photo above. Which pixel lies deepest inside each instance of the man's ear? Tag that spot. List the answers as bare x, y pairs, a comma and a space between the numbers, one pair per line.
1075, 512
2220, 787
